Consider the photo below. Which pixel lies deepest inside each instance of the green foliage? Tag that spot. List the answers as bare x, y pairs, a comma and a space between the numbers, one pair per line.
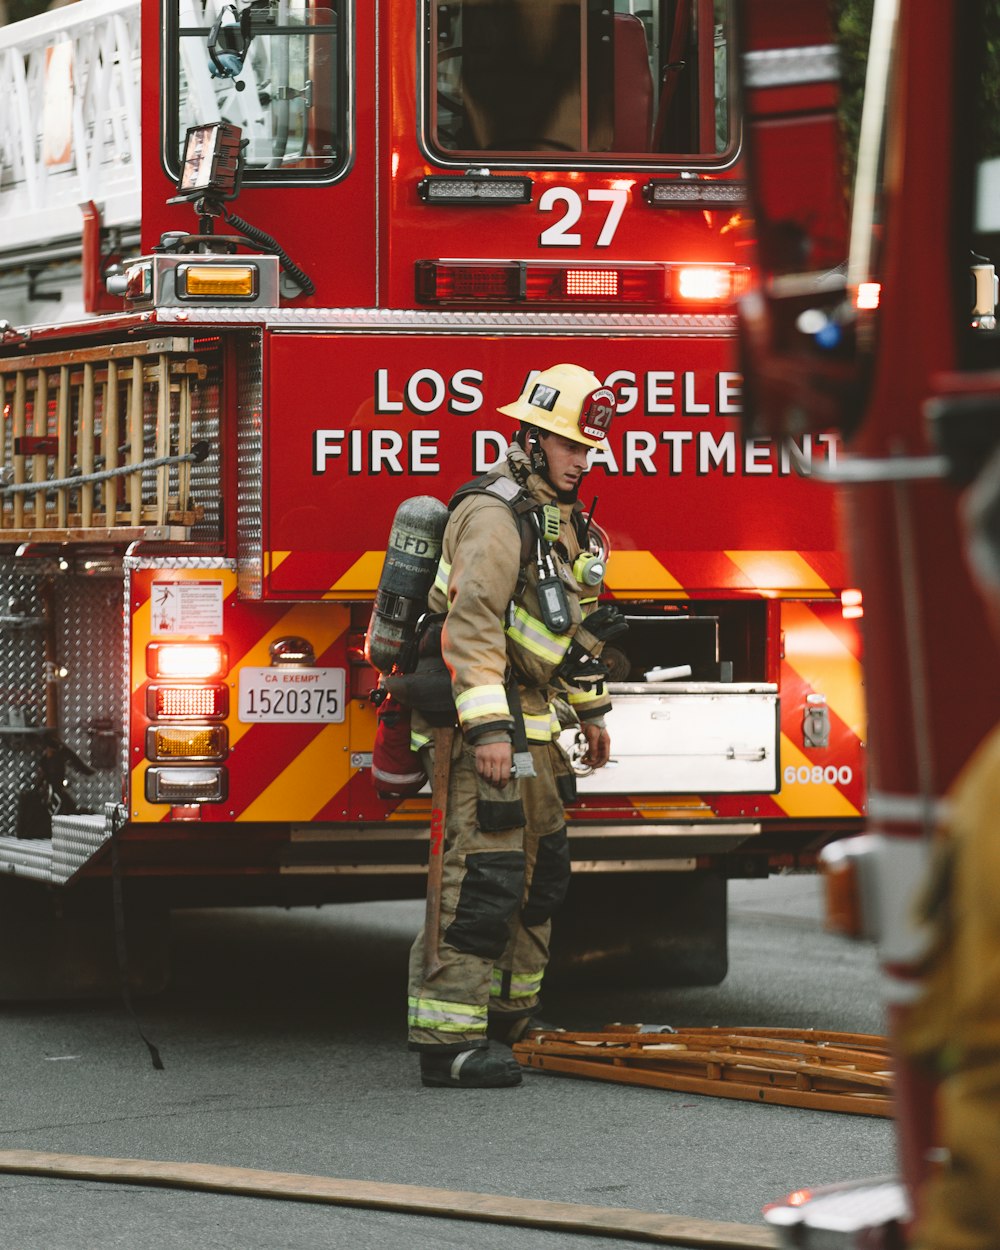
988, 98
853, 23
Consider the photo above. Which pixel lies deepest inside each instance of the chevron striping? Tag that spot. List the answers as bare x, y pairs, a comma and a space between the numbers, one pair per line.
806, 801
315, 774
825, 664
321, 626
632, 571
778, 570
362, 577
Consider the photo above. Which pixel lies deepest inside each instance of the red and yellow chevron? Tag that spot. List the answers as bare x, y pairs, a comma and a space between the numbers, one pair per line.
276, 772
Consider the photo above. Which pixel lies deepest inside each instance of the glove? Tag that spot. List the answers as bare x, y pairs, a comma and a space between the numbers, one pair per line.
580, 665
605, 623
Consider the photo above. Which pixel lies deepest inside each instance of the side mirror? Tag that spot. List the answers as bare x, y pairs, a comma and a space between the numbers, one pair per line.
799, 329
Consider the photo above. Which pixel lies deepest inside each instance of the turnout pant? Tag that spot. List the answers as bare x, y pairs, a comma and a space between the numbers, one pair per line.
505, 871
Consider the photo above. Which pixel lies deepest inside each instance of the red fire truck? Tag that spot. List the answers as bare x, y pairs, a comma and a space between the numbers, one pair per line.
204, 445
899, 355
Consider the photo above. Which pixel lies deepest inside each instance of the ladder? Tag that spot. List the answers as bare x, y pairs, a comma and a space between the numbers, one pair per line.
96, 443
825, 1071
70, 125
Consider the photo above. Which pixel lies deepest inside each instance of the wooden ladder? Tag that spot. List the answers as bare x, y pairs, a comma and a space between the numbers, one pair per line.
70, 414
791, 1067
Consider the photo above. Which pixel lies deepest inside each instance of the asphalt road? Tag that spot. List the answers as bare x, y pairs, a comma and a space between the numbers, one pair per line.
282, 1040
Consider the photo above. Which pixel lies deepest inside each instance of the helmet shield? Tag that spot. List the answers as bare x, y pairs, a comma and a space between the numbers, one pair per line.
596, 413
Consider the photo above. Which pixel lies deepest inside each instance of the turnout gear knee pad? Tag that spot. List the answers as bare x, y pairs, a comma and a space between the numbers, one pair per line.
549, 881
490, 893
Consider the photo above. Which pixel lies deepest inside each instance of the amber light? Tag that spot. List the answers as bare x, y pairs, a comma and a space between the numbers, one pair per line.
187, 702
217, 280
186, 742
187, 659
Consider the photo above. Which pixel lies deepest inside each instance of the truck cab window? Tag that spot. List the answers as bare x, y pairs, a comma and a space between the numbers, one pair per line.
983, 340
558, 78
275, 68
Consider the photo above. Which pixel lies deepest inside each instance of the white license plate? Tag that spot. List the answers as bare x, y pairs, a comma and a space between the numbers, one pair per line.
304, 694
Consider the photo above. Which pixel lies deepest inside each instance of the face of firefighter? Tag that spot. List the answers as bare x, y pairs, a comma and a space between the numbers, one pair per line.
567, 463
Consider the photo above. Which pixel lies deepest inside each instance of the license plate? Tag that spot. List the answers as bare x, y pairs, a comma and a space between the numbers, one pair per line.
288, 695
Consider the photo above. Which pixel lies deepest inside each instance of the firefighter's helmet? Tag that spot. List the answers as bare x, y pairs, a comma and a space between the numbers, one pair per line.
566, 400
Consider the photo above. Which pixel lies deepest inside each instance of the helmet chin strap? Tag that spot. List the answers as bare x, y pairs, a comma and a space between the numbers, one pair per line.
540, 463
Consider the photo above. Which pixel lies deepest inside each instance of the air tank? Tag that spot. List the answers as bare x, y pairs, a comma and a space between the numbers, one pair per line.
411, 561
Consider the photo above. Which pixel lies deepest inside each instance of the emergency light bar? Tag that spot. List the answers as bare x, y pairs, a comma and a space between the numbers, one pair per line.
518, 282
473, 188
691, 193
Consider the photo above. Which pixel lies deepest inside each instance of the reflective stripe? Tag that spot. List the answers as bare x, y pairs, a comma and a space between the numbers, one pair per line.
579, 697
482, 701
534, 637
522, 985
446, 1017
442, 576
541, 726
418, 741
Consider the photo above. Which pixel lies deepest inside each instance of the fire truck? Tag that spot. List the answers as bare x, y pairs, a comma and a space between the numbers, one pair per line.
317, 248
897, 351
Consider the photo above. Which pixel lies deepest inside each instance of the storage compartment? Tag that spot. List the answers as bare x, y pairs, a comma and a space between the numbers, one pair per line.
687, 738
720, 641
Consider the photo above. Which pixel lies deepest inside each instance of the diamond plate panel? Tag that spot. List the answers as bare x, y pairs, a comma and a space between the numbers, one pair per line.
93, 693
87, 642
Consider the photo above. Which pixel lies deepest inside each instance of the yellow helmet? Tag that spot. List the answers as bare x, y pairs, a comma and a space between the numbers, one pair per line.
566, 400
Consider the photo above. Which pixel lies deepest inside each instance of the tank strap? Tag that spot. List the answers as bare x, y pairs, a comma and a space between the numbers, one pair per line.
514, 496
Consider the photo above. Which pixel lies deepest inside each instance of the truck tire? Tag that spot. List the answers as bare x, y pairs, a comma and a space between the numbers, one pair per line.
653, 929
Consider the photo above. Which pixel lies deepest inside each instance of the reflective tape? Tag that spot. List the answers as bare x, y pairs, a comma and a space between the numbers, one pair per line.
541, 726
482, 701
446, 1017
580, 697
531, 634
418, 741
525, 985
442, 576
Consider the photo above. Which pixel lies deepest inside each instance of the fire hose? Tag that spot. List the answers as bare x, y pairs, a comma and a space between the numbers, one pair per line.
620, 1222
794, 1067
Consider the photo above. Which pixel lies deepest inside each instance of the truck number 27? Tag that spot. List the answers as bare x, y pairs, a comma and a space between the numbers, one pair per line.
561, 234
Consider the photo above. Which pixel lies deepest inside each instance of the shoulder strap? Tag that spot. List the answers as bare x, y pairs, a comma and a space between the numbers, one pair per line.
580, 525
514, 496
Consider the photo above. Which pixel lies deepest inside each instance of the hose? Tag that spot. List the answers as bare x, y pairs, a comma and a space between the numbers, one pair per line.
621, 1222
198, 453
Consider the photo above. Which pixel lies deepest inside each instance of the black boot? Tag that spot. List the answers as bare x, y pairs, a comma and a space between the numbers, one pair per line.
485, 1067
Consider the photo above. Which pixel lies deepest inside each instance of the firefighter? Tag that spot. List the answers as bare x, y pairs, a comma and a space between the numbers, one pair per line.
955, 1025
515, 637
